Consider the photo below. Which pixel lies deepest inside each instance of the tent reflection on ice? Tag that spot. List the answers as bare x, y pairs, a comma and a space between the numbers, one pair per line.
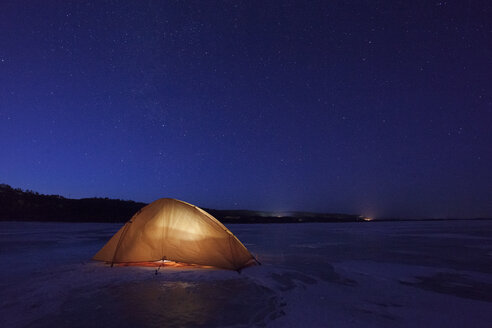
170, 229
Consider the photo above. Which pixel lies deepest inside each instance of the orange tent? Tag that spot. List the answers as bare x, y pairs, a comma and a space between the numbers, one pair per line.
170, 229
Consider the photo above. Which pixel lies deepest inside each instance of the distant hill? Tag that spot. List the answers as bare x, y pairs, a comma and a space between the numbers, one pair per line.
20, 205
27, 205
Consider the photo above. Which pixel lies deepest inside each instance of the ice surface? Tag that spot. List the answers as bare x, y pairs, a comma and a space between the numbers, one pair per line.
377, 274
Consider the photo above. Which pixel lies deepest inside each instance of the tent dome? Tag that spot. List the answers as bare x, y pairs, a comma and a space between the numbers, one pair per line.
170, 229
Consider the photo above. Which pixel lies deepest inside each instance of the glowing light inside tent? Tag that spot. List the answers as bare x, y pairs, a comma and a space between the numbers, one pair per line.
169, 229
164, 263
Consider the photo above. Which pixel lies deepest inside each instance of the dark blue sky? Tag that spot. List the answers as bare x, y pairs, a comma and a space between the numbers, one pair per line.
370, 107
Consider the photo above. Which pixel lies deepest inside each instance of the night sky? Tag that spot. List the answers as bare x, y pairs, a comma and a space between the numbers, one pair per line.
381, 108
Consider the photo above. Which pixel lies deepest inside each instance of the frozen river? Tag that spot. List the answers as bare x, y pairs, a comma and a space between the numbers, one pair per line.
376, 274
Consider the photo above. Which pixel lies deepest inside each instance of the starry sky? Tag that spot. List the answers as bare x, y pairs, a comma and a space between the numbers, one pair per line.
381, 108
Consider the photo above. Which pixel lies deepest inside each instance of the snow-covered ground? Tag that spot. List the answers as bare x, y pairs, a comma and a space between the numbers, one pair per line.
391, 274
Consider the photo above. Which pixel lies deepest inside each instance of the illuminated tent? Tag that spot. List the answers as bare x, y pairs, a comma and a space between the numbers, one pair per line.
170, 229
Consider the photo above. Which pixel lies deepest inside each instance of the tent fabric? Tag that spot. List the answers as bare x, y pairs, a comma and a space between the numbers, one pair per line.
170, 229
